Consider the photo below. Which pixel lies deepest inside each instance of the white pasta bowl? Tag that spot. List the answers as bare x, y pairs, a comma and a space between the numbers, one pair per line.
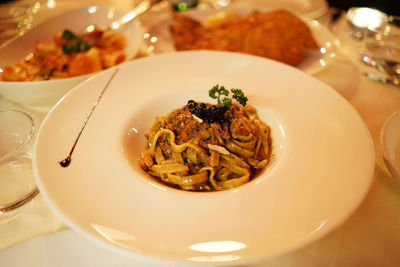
321, 169
44, 94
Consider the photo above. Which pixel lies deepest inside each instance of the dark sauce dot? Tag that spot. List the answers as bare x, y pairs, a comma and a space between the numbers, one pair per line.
65, 162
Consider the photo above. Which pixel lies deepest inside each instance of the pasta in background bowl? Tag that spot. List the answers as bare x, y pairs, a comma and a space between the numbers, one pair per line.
46, 93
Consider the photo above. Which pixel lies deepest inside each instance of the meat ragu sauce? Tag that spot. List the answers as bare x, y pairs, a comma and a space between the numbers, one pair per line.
186, 126
208, 146
277, 35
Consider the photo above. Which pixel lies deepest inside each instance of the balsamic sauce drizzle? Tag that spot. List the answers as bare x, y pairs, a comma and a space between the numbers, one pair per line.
65, 162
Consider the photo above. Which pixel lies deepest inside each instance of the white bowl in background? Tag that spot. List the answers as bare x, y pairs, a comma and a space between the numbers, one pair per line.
45, 94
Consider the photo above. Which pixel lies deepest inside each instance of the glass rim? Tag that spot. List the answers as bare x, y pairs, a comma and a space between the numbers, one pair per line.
26, 140
21, 10
359, 20
20, 4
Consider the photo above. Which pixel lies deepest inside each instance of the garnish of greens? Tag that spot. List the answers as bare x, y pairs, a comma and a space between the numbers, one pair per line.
216, 113
218, 91
45, 75
74, 43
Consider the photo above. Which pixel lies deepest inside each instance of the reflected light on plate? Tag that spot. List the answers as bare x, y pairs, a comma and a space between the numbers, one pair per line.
315, 23
90, 28
92, 9
153, 39
319, 227
219, 258
323, 50
224, 2
35, 7
51, 3
218, 246
111, 234
132, 131
115, 25
128, 17
158, 186
29, 56
150, 49
322, 62
111, 13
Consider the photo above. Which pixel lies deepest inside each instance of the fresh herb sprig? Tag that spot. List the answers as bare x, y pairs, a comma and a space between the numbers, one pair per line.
68, 35
74, 43
45, 74
222, 95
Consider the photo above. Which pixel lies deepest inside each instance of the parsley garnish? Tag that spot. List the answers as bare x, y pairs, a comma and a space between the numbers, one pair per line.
68, 35
74, 44
217, 92
239, 96
67, 49
45, 75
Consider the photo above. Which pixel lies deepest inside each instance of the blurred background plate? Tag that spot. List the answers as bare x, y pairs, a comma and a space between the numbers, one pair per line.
159, 39
44, 94
310, 9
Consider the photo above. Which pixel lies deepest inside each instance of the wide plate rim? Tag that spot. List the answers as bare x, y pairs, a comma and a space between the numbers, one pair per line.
203, 54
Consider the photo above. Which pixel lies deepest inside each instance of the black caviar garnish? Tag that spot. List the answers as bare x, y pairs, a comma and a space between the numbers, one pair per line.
209, 113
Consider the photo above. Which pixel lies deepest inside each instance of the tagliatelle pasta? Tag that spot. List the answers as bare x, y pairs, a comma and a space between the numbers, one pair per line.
192, 149
69, 55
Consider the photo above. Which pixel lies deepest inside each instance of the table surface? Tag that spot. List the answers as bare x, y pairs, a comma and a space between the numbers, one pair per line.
370, 237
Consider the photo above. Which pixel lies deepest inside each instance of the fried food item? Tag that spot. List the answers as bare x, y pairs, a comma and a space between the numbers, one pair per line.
277, 35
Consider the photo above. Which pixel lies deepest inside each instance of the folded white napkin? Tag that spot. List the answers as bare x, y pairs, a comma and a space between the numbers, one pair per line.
33, 219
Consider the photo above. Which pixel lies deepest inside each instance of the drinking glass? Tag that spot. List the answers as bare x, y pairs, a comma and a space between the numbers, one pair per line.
383, 45
15, 19
17, 185
362, 19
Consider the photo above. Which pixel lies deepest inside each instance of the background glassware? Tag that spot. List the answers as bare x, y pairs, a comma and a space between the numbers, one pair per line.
361, 19
15, 19
17, 184
383, 45
390, 144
